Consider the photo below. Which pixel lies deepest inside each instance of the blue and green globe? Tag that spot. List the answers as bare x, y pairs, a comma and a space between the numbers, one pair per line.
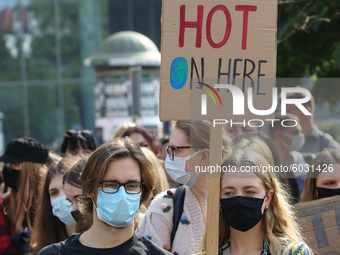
178, 73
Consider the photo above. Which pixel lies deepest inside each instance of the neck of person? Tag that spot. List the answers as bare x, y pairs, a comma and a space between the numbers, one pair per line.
69, 229
247, 242
102, 235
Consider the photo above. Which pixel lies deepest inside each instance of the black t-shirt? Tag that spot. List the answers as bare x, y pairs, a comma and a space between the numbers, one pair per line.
135, 245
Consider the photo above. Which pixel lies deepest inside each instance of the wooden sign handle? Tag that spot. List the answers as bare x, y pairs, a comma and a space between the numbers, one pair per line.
212, 226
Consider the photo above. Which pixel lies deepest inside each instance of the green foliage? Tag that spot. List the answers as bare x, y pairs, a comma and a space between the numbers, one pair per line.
312, 48
332, 128
42, 73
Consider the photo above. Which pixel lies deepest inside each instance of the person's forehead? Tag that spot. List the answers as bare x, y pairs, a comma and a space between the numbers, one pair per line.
137, 137
241, 178
178, 138
71, 189
292, 108
330, 171
123, 170
56, 181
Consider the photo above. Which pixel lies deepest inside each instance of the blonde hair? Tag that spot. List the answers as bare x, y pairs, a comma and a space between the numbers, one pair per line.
19, 204
253, 143
278, 222
161, 180
198, 133
326, 157
121, 129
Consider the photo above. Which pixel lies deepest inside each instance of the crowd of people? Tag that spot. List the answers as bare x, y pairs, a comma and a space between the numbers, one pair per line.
139, 194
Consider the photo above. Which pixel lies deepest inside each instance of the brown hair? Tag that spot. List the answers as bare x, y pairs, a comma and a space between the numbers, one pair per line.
96, 168
161, 180
22, 203
72, 177
326, 157
148, 136
48, 228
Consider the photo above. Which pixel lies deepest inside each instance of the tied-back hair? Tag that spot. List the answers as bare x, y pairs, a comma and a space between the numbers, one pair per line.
21, 204
97, 166
278, 222
48, 228
198, 133
326, 157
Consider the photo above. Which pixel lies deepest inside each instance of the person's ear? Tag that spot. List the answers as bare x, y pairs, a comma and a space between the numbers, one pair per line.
205, 157
268, 198
93, 196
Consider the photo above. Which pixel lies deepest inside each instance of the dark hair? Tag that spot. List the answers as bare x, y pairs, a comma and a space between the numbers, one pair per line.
74, 140
149, 137
72, 175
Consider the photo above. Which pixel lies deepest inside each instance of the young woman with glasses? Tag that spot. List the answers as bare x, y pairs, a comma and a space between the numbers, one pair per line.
188, 148
116, 179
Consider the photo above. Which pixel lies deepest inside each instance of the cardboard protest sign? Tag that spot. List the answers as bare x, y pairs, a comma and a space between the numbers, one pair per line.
320, 222
210, 42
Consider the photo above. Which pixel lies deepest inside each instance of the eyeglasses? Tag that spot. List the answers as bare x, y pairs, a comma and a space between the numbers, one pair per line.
74, 133
112, 187
170, 149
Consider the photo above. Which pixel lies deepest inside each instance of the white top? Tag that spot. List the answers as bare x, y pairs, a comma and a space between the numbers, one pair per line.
157, 224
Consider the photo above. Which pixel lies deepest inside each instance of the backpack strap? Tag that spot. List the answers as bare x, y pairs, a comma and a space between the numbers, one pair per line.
60, 247
178, 210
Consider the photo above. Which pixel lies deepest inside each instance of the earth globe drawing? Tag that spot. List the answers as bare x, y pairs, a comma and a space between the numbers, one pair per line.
178, 73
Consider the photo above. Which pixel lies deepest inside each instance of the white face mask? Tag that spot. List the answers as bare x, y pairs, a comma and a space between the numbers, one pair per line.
297, 142
176, 170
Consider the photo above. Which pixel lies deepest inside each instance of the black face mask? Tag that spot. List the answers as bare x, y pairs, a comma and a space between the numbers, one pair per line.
76, 214
324, 192
11, 177
242, 213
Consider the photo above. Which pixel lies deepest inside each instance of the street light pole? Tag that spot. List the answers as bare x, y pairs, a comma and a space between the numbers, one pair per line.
59, 65
24, 74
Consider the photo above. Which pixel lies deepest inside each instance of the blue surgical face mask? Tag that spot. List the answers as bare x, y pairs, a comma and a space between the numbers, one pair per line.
176, 170
297, 142
62, 208
119, 209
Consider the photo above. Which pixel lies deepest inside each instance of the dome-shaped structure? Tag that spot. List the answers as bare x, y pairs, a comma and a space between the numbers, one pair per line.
126, 48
